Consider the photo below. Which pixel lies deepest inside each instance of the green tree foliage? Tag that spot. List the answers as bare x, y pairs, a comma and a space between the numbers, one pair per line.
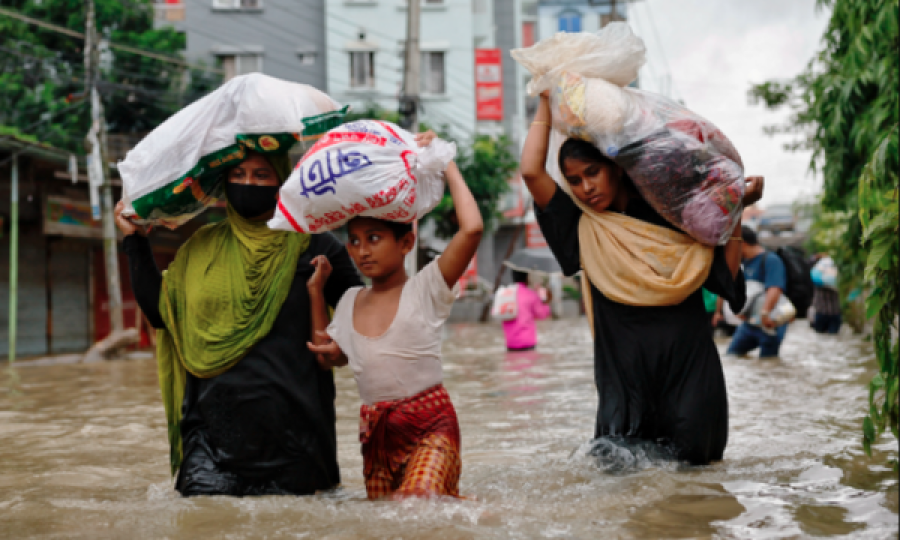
485, 162
845, 104
42, 70
487, 165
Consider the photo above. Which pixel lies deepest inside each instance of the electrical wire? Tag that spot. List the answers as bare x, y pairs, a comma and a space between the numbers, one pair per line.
73, 33
392, 39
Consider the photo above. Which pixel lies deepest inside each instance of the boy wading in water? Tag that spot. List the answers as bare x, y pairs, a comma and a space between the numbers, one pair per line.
390, 334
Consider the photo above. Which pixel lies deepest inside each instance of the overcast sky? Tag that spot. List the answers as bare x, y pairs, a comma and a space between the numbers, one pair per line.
713, 51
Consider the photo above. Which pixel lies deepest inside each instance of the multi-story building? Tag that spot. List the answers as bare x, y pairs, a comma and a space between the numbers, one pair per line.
282, 38
366, 42
577, 15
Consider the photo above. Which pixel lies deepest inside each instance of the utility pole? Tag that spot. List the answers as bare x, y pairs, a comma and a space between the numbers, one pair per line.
13, 257
409, 99
99, 171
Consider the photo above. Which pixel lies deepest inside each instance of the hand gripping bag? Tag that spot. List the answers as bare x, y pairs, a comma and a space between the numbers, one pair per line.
175, 172
680, 162
363, 168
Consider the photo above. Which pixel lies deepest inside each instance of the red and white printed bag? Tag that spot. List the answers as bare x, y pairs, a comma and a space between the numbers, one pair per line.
506, 303
364, 168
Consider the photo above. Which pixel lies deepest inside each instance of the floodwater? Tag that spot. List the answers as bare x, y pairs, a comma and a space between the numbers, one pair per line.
83, 454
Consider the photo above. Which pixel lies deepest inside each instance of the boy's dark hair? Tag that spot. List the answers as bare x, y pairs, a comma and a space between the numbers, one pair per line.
749, 236
519, 277
398, 229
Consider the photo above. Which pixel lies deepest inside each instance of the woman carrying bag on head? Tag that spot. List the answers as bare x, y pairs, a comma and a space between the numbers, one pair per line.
249, 410
657, 370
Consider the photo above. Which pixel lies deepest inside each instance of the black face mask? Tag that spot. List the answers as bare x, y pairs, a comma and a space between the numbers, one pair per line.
251, 201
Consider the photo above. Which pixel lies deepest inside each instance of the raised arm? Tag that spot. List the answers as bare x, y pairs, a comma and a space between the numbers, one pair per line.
462, 247
534, 156
752, 194
733, 250
146, 279
327, 352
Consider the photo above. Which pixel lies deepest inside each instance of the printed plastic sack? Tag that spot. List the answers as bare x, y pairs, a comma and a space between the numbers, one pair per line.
175, 172
505, 306
364, 168
681, 163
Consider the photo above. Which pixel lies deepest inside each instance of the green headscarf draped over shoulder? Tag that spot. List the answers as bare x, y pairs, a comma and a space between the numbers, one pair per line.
219, 297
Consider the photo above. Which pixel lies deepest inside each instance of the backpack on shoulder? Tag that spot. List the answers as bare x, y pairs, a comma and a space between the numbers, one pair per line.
506, 304
800, 287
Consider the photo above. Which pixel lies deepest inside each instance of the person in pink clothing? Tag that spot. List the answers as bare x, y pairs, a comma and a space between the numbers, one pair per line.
521, 333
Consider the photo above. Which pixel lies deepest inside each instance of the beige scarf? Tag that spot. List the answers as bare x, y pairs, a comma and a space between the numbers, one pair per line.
637, 263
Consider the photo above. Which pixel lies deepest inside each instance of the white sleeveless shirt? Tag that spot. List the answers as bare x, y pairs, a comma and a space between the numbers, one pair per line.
406, 358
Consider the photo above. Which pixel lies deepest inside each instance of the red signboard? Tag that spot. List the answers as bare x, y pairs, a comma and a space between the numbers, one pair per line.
488, 84
527, 34
470, 276
535, 238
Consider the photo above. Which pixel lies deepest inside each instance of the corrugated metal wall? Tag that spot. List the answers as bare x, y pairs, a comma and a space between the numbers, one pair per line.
69, 296
32, 296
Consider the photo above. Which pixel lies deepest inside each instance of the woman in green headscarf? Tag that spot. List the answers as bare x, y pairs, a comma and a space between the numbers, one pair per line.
248, 408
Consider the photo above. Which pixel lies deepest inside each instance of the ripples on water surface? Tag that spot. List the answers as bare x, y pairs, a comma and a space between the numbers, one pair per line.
83, 455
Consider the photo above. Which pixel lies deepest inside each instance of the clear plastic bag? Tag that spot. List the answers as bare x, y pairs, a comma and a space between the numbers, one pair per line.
614, 54
364, 168
680, 162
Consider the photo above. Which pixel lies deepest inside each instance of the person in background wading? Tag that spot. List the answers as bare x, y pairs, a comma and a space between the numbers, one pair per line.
249, 409
521, 332
826, 304
657, 370
767, 268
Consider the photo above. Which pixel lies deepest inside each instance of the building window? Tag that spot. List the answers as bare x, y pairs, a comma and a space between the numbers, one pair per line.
433, 73
570, 21
240, 64
237, 4
307, 58
362, 69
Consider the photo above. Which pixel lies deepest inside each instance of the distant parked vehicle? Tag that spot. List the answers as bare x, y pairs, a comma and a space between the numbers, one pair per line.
777, 219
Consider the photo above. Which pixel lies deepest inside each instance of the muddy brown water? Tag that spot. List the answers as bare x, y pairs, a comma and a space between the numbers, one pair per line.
83, 454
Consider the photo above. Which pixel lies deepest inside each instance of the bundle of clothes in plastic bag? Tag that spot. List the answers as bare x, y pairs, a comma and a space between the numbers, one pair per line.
684, 167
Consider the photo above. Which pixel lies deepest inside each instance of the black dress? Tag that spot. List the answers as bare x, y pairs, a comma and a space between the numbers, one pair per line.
267, 425
657, 370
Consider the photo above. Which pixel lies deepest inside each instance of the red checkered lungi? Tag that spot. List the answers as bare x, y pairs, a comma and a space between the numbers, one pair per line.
411, 446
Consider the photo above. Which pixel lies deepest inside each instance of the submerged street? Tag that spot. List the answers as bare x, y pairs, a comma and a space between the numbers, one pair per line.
83, 454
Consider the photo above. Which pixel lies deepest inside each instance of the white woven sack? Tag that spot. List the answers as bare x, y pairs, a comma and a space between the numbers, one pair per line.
177, 169
365, 168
